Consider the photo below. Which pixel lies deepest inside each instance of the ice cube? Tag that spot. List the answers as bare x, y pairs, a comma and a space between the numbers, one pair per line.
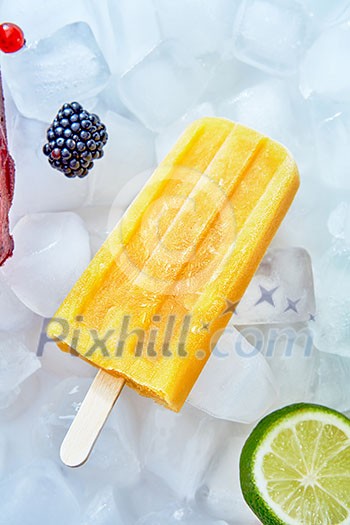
17, 362
308, 214
19, 401
96, 222
114, 460
324, 70
281, 291
166, 140
150, 494
292, 358
174, 515
118, 452
179, 447
331, 382
109, 99
39, 187
20, 368
271, 35
129, 151
199, 25
272, 108
324, 12
34, 491
220, 494
339, 222
103, 27
66, 66
7, 399
52, 250
229, 77
102, 510
227, 386
332, 326
171, 83
13, 314
136, 31
331, 125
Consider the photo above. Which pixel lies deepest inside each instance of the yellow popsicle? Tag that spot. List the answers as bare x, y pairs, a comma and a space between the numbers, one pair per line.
155, 298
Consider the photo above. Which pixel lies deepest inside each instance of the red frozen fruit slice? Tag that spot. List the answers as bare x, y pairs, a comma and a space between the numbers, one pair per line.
7, 180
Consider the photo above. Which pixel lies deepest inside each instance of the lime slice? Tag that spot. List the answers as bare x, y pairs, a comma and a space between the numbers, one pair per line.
295, 467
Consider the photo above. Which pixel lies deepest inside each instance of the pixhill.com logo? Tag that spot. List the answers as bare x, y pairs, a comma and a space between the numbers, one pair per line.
286, 341
113, 342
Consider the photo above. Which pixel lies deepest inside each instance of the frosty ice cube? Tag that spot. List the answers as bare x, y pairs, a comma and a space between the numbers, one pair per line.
281, 291
136, 31
202, 26
17, 363
38, 490
191, 437
220, 495
324, 69
14, 316
171, 83
270, 34
328, 391
332, 129
65, 66
227, 386
332, 327
339, 222
53, 250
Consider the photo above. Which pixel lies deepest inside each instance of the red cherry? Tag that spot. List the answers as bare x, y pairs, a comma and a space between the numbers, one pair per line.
11, 38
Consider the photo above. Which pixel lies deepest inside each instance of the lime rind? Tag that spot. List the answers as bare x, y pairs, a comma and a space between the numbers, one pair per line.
298, 498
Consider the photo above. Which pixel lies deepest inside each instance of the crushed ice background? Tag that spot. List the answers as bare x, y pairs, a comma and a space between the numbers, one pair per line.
148, 68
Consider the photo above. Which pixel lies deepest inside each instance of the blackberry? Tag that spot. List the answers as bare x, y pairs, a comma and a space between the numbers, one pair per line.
75, 140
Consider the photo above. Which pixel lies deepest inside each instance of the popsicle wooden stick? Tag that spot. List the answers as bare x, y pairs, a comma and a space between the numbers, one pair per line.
89, 421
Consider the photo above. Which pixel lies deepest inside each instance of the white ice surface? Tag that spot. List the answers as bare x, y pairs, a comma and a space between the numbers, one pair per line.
148, 70
35, 491
52, 252
270, 34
